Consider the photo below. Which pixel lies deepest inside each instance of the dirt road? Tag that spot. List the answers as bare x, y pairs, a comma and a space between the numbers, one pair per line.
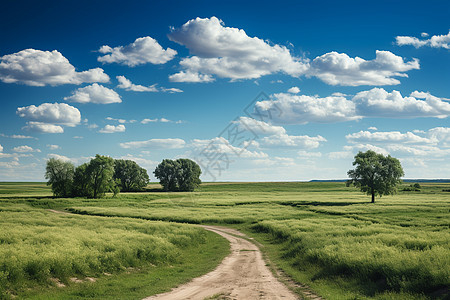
242, 275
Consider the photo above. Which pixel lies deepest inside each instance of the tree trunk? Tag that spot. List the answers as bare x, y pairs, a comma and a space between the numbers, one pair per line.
373, 196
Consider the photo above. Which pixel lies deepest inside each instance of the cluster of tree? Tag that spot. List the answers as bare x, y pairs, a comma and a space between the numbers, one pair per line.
94, 179
413, 188
376, 174
178, 175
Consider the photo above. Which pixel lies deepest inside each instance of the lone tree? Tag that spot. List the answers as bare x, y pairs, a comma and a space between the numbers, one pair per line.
375, 174
60, 176
130, 176
178, 175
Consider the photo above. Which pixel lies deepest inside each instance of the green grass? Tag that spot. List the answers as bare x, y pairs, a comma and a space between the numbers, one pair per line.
324, 235
38, 247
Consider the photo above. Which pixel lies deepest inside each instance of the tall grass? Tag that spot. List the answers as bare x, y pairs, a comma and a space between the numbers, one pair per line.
37, 245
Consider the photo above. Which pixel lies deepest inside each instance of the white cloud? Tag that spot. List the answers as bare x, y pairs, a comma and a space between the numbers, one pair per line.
17, 136
294, 90
285, 108
143, 50
162, 120
40, 68
1, 148
155, 144
127, 85
372, 128
259, 127
112, 129
53, 147
303, 141
219, 145
302, 109
387, 137
48, 116
229, 52
436, 41
377, 102
25, 149
339, 69
364, 147
94, 93
189, 76
43, 127
440, 134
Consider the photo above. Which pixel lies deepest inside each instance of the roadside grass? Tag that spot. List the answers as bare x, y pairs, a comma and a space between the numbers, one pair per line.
322, 234
39, 248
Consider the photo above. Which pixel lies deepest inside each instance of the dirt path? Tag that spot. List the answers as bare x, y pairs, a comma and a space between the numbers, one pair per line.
242, 275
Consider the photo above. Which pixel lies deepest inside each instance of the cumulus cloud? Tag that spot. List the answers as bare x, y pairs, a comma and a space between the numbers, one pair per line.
50, 113
302, 109
17, 136
436, 41
220, 145
294, 90
43, 127
189, 76
25, 149
340, 69
40, 68
259, 127
94, 93
155, 144
302, 141
127, 85
143, 50
112, 129
229, 52
53, 147
276, 135
387, 137
1, 148
377, 103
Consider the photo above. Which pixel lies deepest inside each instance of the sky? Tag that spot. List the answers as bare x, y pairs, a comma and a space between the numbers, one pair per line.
252, 91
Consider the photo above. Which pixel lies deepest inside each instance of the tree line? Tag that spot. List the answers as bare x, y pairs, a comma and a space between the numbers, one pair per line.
104, 174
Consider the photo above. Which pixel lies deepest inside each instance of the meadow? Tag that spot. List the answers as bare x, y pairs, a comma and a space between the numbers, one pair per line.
322, 234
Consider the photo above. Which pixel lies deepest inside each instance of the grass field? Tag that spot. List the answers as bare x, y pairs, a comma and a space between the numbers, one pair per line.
324, 235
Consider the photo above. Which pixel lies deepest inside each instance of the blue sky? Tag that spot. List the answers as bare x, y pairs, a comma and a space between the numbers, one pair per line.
285, 90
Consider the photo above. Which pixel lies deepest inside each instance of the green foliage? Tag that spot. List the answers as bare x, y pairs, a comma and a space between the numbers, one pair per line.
130, 176
413, 188
82, 186
60, 176
188, 175
100, 170
375, 174
178, 175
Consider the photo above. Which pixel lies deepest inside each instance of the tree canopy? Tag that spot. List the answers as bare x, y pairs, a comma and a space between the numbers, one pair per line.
178, 175
95, 178
60, 176
130, 176
375, 174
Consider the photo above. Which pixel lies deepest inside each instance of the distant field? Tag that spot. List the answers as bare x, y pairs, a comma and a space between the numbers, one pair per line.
322, 234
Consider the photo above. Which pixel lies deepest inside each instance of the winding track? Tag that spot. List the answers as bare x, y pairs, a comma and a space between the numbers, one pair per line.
242, 275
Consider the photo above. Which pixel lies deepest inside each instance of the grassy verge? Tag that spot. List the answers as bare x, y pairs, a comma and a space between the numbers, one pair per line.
41, 249
144, 281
